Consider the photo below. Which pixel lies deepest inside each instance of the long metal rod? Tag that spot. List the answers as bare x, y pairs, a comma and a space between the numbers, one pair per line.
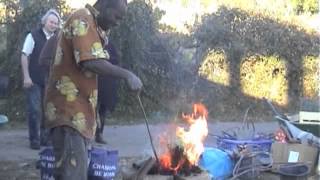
147, 124
274, 110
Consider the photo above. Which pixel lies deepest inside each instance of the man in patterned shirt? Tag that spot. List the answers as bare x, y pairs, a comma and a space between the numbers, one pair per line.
71, 94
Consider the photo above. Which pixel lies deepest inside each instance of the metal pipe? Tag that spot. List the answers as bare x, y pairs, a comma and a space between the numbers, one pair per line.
147, 124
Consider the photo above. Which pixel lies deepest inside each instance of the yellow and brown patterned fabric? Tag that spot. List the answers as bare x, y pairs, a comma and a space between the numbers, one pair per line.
71, 94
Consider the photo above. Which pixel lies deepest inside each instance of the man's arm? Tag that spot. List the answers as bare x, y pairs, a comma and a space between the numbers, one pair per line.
103, 67
27, 82
26, 51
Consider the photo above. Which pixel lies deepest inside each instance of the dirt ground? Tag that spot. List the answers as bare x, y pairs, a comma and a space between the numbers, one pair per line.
18, 161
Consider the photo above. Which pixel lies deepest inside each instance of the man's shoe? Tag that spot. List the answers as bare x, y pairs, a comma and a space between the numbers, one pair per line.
35, 146
99, 139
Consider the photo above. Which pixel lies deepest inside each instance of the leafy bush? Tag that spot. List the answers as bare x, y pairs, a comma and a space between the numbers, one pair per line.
215, 68
311, 77
252, 42
302, 6
264, 77
143, 52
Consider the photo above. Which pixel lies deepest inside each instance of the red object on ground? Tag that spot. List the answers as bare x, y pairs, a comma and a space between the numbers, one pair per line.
280, 136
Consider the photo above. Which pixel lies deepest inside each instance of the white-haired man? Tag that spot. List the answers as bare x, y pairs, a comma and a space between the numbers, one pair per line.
34, 75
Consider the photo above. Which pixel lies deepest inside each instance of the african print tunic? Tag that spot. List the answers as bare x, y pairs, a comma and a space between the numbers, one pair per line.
71, 94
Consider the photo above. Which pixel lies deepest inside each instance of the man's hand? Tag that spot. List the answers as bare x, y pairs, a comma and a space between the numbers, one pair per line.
27, 82
134, 82
103, 67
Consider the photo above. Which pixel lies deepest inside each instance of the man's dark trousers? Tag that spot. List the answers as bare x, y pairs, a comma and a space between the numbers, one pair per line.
71, 154
34, 109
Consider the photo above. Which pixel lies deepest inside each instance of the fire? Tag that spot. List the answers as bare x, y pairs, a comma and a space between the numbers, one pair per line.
190, 141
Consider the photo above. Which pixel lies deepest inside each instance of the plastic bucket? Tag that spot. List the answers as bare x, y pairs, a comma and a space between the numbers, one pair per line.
103, 164
46, 163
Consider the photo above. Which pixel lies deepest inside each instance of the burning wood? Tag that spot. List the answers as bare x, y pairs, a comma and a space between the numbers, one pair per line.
175, 163
181, 156
180, 152
141, 169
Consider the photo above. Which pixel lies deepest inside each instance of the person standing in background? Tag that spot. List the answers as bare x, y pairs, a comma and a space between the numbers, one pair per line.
34, 76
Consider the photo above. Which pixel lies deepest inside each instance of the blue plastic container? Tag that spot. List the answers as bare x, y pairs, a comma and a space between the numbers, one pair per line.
217, 163
103, 164
46, 163
3, 119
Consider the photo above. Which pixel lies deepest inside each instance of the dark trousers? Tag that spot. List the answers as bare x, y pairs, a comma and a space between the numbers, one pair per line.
107, 98
71, 154
34, 98
103, 113
36, 116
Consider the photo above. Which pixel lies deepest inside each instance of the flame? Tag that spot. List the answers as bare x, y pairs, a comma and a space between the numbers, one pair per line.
193, 139
190, 140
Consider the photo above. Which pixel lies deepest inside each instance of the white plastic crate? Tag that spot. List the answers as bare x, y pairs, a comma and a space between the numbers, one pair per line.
306, 117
